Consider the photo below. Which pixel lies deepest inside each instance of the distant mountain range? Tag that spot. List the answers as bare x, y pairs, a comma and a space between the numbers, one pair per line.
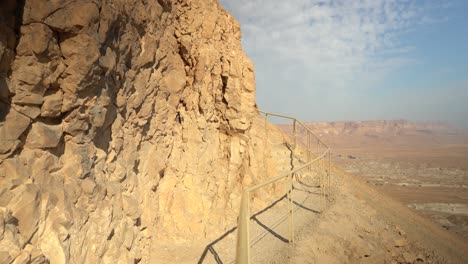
385, 127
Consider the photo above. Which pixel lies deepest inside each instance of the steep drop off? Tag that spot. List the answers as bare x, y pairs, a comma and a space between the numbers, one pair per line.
121, 123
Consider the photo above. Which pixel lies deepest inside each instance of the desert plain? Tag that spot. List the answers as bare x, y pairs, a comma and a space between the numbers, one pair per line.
422, 165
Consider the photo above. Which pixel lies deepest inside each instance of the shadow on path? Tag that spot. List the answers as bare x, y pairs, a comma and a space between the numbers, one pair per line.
306, 208
210, 247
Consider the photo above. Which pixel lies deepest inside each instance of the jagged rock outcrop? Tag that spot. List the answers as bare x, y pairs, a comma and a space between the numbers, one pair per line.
121, 124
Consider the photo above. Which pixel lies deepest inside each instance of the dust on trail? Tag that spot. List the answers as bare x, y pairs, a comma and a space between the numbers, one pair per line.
357, 225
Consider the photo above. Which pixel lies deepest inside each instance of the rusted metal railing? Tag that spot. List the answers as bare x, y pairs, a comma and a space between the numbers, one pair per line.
322, 162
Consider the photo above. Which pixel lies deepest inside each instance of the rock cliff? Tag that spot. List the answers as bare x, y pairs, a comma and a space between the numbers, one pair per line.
121, 122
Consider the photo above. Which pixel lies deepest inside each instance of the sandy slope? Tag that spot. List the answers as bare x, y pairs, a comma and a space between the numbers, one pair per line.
359, 225
364, 226
419, 229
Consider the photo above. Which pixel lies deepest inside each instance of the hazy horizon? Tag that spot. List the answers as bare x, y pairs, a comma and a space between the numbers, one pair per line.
358, 60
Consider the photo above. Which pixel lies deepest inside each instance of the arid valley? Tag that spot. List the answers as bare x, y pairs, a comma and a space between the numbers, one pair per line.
423, 165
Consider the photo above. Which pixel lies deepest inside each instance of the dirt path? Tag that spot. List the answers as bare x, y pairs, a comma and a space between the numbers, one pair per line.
269, 226
268, 230
356, 225
359, 225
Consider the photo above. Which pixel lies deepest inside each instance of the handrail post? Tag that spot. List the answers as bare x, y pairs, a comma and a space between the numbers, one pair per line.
318, 146
294, 132
243, 245
290, 210
320, 167
322, 180
323, 164
295, 143
265, 145
329, 172
309, 150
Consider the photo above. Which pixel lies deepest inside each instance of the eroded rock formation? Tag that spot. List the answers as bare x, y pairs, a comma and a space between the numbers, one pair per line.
121, 122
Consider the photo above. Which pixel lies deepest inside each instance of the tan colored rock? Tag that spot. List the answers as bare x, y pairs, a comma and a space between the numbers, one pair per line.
52, 105
108, 61
88, 186
44, 136
52, 248
35, 11
174, 79
131, 206
23, 258
15, 168
401, 242
25, 97
5, 257
28, 74
69, 102
38, 39
38, 258
81, 54
76, 123
57, 67
74, 17
31, 111
76, 160
11, 129
25, 208
409, 257
154, 103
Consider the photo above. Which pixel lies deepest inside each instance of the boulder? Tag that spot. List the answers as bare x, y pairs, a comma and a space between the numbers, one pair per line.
43, 136
37, 11
31, 111
37, 39
11, 129
108, 61
23, 258
74, 17
28, 74
25, 208
52, 106
81, 55
173, 80
25, 97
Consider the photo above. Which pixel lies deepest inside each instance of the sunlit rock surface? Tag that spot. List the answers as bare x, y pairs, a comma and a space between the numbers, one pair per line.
121, 122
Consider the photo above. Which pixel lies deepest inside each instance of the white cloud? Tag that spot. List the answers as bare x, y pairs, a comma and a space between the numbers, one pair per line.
339, 59
338, 43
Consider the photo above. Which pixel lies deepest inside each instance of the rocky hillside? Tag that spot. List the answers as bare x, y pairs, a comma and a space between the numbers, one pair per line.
389, 127
121, 124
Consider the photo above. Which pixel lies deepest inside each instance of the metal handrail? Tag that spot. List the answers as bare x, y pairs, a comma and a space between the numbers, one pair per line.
243, 234
296, 120
277, 178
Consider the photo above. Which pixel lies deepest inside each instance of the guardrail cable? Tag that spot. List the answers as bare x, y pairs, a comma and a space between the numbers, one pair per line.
323, 168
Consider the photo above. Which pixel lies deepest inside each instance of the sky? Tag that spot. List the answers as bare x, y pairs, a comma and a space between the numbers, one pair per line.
332, 60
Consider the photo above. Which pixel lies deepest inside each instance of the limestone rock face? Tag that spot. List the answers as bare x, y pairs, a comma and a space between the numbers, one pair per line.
122, 123
44, 136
